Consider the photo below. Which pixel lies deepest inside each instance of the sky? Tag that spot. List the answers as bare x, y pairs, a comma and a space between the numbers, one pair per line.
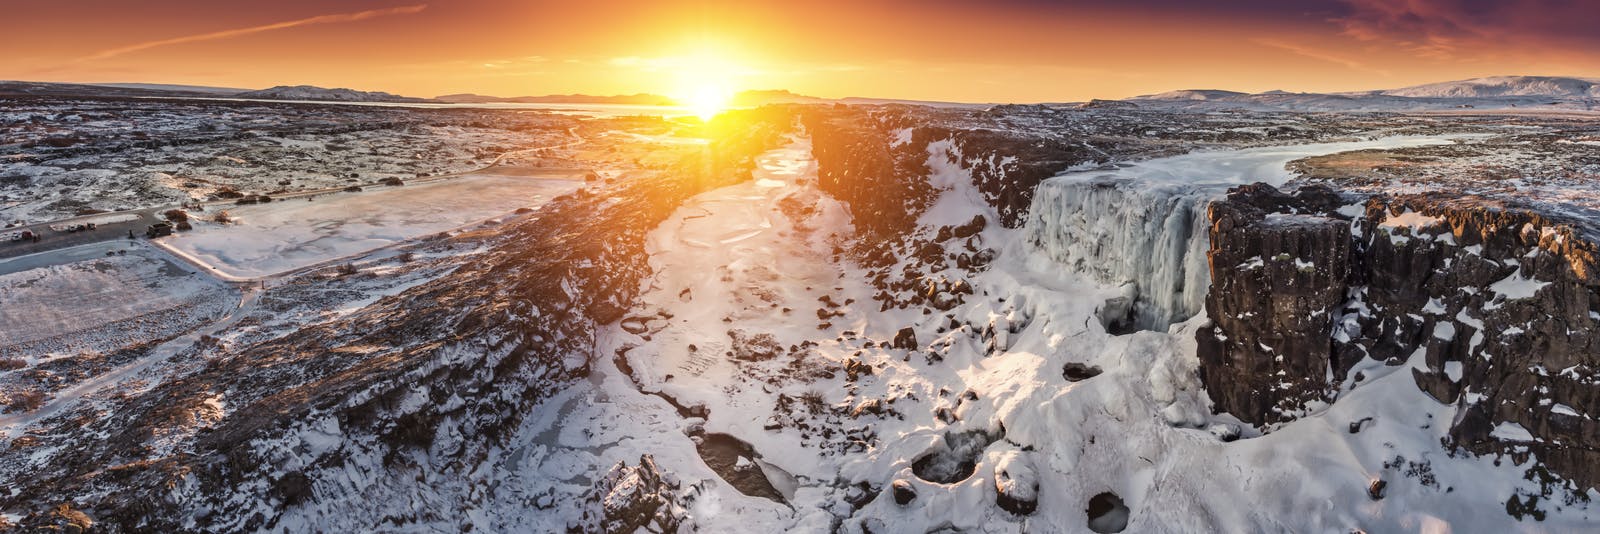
952, 50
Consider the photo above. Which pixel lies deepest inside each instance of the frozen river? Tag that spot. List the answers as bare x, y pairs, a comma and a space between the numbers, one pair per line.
1244, 166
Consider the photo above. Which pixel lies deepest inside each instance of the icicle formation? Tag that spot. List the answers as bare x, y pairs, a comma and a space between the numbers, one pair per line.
1121, 231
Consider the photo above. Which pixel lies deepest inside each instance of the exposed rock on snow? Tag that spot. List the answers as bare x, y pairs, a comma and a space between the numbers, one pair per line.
309, 92
631, 498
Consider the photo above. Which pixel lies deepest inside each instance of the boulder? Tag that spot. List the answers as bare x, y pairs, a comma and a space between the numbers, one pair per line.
905, 339
1016, 483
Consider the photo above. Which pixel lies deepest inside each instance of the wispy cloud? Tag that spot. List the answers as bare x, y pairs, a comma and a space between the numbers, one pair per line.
1472, 30
236, 32
1313, 53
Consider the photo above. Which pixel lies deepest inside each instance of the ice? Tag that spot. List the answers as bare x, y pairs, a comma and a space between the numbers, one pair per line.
1145, 222
1120, 231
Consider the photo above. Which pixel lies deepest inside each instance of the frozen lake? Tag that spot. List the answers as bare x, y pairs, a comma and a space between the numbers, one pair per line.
282, 236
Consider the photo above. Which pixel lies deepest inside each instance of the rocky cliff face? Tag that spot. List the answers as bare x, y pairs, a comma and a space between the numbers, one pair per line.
1277, 281
879, 160
1495, 309
392, 415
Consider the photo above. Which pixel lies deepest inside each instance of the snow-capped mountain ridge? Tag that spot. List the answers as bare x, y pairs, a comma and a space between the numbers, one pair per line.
1502, 86
311, 92
1498, 92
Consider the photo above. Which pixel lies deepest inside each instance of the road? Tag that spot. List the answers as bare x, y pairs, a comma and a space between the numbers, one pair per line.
54, 240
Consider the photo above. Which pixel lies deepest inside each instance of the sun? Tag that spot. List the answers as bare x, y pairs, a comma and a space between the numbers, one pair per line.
707, 100
706, 82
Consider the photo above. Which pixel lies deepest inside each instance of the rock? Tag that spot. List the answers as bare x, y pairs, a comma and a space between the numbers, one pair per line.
1376, 489
860, 494
629, 498
1016, 483
971, 228
63, 518
873, 406
1270, 312
903, 492
1227, 432
634, 325
1492, 298
853, 369
905, 339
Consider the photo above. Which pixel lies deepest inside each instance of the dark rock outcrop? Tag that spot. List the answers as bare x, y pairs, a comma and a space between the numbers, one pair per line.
1501, 304
633, 497
905, 339
1277, 281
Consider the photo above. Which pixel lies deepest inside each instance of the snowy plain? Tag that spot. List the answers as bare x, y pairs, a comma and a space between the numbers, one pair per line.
278, 237
73, 290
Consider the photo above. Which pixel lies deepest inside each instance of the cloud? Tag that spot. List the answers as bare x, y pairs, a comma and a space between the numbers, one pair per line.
1313, 53
226, 34
1464, 29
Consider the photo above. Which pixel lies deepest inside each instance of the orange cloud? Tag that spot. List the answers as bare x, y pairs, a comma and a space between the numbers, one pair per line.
225, 34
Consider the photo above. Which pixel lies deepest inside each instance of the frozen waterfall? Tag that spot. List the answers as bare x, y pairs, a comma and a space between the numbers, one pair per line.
1144, 224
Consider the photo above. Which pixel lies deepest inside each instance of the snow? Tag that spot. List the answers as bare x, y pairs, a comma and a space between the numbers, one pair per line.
73, 291
1410, 219
1511, 432
1563, 409
1517, 286
286, 235
732, 259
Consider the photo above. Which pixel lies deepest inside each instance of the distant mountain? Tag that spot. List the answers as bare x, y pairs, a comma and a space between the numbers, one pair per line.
1499, 92
1192, 94
1503, 86
102, 90
310, 92
641, 99
175, 87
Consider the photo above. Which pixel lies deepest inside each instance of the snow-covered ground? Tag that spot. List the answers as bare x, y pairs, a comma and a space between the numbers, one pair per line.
71, 291
282, 236
827, 404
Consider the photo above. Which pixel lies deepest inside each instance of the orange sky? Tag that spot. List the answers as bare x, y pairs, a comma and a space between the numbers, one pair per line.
1010, 51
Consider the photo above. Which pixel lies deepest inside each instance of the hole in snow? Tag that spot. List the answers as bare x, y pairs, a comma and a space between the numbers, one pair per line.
955, 459
1076, 372
1117, 316
1107, 513
737, 462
